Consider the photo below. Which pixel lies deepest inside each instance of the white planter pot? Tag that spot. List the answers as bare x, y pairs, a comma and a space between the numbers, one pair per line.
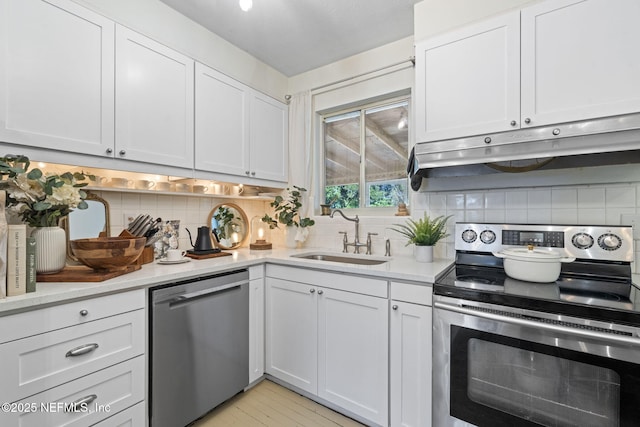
51, 249
290, 237
423, 253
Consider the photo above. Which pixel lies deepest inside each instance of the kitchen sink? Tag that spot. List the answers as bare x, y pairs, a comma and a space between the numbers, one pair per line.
342, 258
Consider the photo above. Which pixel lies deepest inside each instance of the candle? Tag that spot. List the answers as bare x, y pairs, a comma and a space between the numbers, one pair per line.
260, 233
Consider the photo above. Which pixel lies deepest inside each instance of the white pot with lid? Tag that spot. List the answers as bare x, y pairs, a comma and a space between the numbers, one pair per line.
532, 265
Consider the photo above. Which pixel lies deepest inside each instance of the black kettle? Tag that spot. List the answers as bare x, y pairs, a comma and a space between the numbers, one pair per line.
203, 241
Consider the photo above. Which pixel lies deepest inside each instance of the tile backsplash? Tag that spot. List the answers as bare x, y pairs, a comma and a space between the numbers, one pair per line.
612, 204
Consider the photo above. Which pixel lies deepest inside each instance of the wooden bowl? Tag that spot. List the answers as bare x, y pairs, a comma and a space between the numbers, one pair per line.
108, 253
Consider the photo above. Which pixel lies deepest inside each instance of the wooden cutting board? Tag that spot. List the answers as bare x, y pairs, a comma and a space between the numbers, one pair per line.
81, 273
206, 256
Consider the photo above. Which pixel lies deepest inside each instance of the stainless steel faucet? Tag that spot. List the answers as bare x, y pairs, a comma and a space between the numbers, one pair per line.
356, 243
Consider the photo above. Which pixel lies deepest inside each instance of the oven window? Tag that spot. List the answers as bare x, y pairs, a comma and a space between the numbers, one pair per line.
541, 388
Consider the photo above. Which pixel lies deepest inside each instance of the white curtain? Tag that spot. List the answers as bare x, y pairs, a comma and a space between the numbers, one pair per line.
301, 152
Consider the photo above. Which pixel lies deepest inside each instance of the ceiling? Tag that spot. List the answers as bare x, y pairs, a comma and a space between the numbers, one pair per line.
294, 36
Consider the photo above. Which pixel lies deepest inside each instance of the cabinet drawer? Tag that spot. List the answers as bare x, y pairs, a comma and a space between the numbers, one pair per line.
343, 282
107, 392
130, 417
42, 320
414, 293
43, 361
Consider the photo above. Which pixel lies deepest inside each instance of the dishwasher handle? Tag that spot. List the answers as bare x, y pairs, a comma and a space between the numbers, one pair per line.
190, 296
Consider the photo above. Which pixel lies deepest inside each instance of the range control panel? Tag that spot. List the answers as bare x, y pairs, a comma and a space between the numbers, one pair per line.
587, 242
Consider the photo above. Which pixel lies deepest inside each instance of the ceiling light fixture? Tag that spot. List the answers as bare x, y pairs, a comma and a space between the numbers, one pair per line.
246, 5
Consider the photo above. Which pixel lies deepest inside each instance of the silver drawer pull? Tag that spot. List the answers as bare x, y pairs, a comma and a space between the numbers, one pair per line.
83, 349
81, 403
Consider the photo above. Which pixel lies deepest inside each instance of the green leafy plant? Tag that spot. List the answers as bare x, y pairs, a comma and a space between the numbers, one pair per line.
425, 231
40, 200
287, 211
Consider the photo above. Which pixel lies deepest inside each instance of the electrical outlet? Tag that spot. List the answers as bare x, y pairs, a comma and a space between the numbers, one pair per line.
633, 220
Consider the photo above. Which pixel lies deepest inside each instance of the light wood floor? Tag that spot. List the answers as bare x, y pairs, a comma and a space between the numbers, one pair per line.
268, 404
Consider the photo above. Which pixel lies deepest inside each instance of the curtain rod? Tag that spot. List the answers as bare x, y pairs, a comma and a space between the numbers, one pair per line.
411, 59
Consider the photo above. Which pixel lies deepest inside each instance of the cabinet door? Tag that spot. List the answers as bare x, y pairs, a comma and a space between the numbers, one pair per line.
154, 102
256, 329
410, 367
291, 333
269, 158
468, 80
221, 128
353, 352
56, 76
579, 60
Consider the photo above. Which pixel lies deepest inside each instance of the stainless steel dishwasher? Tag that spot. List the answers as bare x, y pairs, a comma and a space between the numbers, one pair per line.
199, 346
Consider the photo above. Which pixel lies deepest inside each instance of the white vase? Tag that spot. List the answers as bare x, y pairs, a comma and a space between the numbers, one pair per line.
51, 249
290, 237
423, 253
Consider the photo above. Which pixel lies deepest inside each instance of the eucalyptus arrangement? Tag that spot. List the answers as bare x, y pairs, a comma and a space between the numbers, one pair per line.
40, 200
287, 211
425, 231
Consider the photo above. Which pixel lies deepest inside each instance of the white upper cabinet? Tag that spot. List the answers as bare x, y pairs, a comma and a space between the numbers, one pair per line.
468, 80
268, 156
553, 62
580, 60
239, 131
154, 102
222, 117
56, 76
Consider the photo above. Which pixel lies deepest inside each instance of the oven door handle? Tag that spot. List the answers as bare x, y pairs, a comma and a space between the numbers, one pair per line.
538, 325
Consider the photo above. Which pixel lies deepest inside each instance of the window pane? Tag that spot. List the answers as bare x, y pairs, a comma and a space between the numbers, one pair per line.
342, 160
386, 153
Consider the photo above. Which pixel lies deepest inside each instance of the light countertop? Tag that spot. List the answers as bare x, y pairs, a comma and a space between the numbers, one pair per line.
402, 268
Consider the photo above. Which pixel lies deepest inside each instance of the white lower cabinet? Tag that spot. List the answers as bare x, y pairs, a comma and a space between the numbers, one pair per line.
94, 397
86, 354
256, 323
410, 355
330, 342
134, 416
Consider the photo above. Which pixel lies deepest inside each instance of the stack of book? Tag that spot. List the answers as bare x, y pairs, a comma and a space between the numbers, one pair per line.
20, 259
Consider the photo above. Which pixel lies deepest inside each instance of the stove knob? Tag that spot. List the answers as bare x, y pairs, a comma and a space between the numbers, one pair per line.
469, 236
487, 237
609, 242
582, 241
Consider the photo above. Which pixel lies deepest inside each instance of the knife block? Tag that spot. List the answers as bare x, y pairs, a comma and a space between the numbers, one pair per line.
146, 256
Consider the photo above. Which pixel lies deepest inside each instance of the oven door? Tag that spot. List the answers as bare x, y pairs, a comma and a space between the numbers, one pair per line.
499, 366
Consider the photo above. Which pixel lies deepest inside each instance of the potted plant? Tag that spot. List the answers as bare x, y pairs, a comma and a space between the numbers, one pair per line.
287, 213
41, 201
424, 233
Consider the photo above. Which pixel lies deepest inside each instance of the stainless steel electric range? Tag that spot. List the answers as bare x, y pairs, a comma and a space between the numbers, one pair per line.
512, 353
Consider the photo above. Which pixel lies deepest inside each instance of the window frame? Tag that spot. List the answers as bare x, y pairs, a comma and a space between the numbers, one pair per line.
362, 108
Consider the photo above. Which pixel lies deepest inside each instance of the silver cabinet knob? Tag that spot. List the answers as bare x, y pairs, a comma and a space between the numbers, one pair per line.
311, 290
247, 172
556, 131
122, 152
394, 307
109, 150
253, 174
487, 140
320, 292
527, 120
513, 123
83, 312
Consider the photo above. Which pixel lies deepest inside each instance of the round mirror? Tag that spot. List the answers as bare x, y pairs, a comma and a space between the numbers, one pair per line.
230, 224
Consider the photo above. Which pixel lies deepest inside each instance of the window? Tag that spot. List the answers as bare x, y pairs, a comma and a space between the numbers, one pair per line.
365, 154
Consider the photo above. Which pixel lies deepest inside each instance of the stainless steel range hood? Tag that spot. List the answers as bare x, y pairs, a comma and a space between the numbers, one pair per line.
609, 134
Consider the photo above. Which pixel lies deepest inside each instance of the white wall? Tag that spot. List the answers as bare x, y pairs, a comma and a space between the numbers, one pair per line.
163, 24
